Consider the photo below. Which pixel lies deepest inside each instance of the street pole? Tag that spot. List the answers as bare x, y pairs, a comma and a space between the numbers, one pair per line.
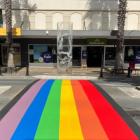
102, 65
27, 70
0, 71
27, 66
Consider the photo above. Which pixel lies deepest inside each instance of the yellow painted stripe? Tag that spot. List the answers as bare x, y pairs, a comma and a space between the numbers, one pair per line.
69, 121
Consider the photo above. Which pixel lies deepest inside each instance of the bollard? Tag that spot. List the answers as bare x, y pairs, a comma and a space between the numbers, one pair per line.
27, 70
0, 71
102, 65
129, 72
101, 72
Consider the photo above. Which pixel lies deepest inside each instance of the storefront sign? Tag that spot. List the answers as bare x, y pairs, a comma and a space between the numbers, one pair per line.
15, 31
97, 41
47, 57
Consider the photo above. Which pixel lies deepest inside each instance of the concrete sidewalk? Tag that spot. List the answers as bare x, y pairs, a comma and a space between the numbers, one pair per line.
53, 71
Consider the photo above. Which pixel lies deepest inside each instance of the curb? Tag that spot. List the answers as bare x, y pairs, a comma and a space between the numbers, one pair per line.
18, 77
66, 77
50, 77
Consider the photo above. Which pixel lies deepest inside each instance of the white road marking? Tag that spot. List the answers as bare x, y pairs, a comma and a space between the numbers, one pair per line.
115, 84
4, 88
66, 77
130, 91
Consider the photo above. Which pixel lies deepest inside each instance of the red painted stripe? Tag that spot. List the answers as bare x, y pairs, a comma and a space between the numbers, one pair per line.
90, 124
114, 125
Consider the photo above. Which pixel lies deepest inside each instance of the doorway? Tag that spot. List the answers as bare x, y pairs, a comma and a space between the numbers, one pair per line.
76, 54
94, 56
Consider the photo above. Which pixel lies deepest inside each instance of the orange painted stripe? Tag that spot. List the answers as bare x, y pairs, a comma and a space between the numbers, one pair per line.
90, 124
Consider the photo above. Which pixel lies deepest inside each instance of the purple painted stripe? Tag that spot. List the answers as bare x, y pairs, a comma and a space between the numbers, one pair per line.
11, 120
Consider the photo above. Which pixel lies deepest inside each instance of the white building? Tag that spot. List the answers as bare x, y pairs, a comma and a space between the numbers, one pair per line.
92, 20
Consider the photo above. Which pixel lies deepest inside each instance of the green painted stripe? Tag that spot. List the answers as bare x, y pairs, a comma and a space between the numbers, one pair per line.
48, 127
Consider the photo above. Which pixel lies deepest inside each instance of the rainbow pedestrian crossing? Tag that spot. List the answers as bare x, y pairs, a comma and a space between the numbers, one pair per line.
65, 110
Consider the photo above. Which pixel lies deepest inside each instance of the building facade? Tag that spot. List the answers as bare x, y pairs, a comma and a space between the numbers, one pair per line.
92, 20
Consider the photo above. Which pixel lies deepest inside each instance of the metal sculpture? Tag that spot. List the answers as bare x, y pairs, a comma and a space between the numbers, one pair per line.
64, 48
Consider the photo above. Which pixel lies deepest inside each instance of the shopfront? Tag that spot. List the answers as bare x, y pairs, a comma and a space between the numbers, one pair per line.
87, 52
42, 53
130, 52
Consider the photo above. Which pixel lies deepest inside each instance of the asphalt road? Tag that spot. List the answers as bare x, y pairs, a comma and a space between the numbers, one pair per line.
11, 88
125, 94
69, 106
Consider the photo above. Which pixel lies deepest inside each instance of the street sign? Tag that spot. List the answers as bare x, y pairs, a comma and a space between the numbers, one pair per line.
15, 31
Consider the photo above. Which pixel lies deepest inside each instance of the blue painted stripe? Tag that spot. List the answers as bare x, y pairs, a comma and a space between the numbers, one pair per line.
29, 123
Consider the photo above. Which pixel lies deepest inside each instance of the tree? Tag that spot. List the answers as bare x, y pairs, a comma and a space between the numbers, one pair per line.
8, 17
120, 35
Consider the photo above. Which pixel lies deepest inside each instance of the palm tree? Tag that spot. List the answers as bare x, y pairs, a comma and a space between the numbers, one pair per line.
8, 17
120, 35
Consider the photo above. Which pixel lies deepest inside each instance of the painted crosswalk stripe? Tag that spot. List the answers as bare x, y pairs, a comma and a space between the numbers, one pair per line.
66, 110
69, 121
112, 122
48, 127
9, 123
28, 125
90, 123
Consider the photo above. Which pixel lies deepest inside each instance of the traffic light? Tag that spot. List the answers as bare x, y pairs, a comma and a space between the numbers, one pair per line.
1, 18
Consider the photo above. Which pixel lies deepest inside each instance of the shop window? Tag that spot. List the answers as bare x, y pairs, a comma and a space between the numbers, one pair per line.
137, 55
31, 47
132, 53
129, 53
42, 53
110, 56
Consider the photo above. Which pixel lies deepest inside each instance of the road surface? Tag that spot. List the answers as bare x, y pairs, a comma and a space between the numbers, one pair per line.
66, 109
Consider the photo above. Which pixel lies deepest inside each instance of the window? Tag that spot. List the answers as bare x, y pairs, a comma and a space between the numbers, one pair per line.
132, 52
57, 18
97, 21
110, 56
76, 20
132, 22
40, 21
